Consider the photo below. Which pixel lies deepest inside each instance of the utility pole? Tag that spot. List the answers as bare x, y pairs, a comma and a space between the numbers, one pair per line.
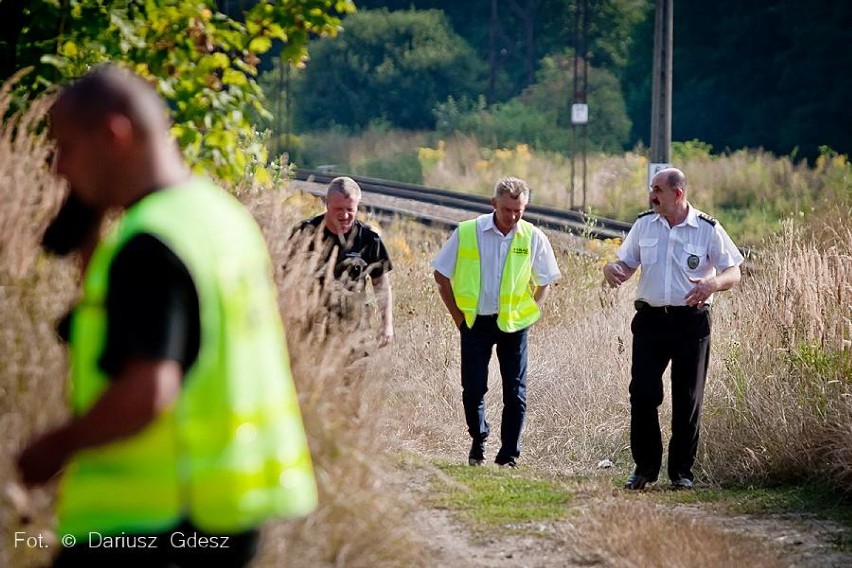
512, 25
280, 119
661, 97
492, 53
580, 108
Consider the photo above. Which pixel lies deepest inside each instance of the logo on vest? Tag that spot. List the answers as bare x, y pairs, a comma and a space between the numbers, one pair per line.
523, 251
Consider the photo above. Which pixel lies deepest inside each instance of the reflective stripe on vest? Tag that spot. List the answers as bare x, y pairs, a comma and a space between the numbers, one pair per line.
518, 309
232, 451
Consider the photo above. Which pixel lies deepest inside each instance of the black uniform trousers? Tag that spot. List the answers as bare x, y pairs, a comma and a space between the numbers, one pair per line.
477, 343
680, 335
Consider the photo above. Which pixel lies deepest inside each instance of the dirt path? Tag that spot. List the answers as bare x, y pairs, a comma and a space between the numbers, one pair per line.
791, 540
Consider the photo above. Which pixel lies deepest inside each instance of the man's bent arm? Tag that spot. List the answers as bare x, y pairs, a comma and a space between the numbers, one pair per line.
384, 297
445, 290
728, 278
705, 287
541, 293
617, 273
133, 400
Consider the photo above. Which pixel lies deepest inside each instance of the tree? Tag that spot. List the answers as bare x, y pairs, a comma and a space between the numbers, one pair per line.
202, 61
541, 115
771, 74
526, 31
387, 66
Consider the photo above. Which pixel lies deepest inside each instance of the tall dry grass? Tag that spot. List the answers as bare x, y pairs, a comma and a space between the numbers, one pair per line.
783, 410
626, 534
33, 295
358, 522
778, 406
614, 183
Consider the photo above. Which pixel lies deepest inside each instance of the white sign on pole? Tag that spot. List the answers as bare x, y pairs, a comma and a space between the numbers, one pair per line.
579, 113
653, 169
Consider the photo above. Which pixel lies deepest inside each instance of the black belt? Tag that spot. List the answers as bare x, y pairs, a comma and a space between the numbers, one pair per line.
642, 305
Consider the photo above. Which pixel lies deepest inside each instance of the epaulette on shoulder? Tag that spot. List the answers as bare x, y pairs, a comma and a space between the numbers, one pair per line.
707, 218
644, 213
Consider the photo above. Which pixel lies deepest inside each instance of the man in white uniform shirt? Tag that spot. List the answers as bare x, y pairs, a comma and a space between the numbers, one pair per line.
686, 256
493, 275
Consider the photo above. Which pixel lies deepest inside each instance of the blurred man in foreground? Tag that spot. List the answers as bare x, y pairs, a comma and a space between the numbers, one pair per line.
186, 426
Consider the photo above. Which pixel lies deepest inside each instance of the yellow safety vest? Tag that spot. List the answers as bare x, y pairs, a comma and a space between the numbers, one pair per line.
232, 451
518, 309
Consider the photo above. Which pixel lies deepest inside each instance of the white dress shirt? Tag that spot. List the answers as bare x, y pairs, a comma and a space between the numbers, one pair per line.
670, 256
493, 249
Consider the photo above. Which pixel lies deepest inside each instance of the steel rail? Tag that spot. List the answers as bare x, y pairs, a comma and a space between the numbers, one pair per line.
546, 217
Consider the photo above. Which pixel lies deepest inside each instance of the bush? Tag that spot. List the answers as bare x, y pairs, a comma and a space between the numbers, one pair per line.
783, 407
393, 66
541, 115
402, 166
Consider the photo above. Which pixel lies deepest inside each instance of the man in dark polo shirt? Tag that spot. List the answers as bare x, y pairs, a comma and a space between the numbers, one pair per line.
357, 253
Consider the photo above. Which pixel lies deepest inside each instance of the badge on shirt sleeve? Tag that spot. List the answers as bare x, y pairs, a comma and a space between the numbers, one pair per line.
692, 261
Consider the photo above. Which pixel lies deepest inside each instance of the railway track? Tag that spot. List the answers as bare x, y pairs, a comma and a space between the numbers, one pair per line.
545, 217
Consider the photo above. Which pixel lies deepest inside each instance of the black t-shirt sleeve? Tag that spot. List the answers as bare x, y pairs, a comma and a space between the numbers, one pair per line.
378, 260
69, 229
151, 305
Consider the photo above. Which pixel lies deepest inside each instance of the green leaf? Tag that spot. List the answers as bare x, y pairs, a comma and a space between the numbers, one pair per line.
261, 176
69, 49
234, 77
260, 44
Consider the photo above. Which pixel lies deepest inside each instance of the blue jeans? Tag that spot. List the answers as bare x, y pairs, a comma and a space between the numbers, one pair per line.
476, 345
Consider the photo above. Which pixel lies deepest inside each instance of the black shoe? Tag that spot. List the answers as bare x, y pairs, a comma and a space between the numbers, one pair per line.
510, 463
637, 482
477, 453
682, 483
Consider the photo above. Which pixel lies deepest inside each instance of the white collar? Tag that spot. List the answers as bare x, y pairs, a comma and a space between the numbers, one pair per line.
691, 217
488, 224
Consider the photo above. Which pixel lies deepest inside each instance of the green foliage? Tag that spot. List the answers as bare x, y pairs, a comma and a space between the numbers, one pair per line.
608, 126
501, 125
399, 166
812, 500
450, 114
776, 77
319, 148
524, 31
541, 115
393, 66
690, 150
494, 496
202, 61
822, 377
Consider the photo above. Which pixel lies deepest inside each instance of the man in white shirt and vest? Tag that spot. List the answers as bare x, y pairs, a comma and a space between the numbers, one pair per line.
493, 275
686, 256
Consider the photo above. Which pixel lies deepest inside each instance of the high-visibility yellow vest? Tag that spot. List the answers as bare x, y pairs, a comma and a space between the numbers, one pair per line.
518, 309
232, 451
